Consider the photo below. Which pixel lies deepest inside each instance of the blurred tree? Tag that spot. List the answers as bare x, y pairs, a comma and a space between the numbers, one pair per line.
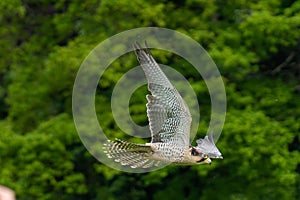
255, 45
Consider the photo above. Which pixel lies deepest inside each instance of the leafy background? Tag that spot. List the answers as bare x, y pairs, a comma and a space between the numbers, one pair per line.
255, 44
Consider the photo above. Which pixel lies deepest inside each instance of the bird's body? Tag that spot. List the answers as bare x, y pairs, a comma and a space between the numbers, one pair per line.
169, 122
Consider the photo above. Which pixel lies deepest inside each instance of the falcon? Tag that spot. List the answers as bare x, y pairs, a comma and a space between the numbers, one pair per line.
169, 121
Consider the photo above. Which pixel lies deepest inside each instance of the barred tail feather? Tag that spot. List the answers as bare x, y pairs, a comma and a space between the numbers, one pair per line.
130, 154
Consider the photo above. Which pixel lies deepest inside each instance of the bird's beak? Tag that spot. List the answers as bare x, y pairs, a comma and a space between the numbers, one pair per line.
208, 161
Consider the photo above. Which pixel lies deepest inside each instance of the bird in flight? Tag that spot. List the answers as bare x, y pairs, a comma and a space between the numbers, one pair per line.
169, 121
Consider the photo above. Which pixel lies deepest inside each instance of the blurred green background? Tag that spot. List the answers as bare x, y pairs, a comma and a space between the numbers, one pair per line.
255, 44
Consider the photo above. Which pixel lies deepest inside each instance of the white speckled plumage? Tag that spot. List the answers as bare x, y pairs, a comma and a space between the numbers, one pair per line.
169, 122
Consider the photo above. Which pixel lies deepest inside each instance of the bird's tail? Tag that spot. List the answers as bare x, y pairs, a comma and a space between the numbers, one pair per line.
130, 154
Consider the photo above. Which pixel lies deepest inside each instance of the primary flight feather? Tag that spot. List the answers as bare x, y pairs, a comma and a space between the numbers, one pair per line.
169, 121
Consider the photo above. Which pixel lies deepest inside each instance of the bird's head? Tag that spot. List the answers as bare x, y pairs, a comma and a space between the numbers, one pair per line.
199, 157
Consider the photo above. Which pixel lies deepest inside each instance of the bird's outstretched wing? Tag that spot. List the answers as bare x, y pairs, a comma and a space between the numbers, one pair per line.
208, 146
168, 115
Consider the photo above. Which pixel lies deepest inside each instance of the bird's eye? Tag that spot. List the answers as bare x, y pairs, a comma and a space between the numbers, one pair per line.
194, 152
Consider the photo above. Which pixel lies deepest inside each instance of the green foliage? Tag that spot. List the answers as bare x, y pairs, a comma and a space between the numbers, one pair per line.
259, 141
43, 163
254, 44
